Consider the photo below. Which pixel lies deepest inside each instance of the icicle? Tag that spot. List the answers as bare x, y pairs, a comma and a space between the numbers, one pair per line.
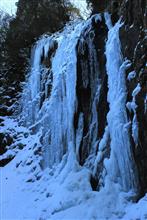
79, 134
108, 20
132, 106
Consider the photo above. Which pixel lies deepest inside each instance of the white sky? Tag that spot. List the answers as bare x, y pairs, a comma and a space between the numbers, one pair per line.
9, 6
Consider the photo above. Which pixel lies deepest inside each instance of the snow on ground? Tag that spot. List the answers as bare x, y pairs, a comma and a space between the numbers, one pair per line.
137, 211
63, 192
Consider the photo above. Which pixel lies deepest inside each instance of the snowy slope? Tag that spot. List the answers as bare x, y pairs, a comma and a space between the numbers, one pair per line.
55, 196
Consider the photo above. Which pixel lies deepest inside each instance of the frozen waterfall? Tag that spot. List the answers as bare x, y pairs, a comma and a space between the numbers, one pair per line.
50, 102
121, 165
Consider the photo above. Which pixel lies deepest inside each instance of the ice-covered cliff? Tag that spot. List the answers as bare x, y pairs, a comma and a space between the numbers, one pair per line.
72, 144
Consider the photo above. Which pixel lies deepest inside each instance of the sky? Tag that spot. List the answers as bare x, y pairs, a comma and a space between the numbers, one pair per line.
9, 6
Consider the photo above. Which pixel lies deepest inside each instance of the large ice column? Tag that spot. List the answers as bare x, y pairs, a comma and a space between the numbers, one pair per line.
120, 167
60, 108
54, 114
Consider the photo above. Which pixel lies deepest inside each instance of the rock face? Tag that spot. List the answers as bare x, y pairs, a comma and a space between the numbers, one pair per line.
134, 44
91, 75
5, 141
134, 47
132, 35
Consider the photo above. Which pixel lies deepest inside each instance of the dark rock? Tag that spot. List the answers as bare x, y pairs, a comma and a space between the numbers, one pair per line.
94, 183
91, 73
26, 135
133, 41
5, 140
21, 146
1, 120
5, 111
4, 162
